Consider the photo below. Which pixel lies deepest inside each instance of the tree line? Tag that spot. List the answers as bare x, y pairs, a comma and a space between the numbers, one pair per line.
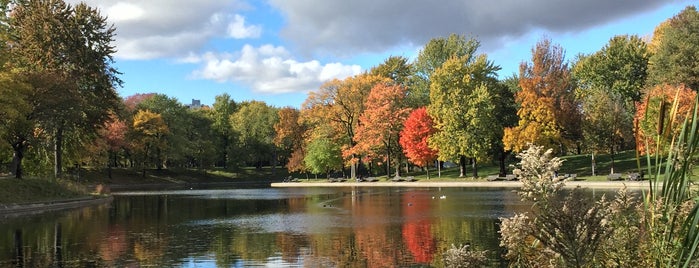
448, 104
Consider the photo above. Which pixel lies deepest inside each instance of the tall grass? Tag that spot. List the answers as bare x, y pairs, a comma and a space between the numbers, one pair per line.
670, 190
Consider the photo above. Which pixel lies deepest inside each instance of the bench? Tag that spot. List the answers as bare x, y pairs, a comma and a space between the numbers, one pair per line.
614, 177
635, 176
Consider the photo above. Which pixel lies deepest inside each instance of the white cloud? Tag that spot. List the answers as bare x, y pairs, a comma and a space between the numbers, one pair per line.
171, 28
269, 69
238, 30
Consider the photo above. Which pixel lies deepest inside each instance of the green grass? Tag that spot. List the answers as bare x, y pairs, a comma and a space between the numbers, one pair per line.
29, 190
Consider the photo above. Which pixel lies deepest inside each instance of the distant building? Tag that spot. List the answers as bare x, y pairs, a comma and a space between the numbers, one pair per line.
196, 104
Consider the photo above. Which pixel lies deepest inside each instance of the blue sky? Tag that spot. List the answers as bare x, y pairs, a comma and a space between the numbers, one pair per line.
278, 50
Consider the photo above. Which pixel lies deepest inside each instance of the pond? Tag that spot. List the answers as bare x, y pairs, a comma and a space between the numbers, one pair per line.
279, 227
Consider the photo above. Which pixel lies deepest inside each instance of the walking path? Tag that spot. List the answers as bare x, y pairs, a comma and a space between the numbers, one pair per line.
484, 184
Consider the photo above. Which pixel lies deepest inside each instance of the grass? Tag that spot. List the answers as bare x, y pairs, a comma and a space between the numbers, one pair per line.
29, 190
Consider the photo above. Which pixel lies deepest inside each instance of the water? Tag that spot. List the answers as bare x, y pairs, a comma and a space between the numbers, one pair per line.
277, 227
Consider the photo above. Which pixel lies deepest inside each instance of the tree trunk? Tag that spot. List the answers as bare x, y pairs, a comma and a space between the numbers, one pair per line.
17, 157
503, 169
474, 164
462, 166
427, 169
58, 153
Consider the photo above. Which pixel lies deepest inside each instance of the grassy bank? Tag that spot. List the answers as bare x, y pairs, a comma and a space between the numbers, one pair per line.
35, 190
29, 190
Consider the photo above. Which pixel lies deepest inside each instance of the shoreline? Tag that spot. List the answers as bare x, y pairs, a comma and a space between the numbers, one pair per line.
24, 209
465, 184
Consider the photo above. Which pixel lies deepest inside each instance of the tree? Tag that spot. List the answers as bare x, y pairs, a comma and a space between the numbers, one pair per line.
506, 112
395, 68
619, 68
338, 104
289, 137
417, 129
151, 131
548, 113
432, 56
177, 118
323, 156
114, 136
254, 123
676, 51
70, 46
15, 117
657, 116
609, 82
223, 108
607, 123
463, 109
380, 124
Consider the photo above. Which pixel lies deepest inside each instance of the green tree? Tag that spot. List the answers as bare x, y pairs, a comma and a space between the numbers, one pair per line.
177, 118
620, 68
396, 68
15, 117
254, 123
432, 56
323, 156
223, 108
463, 109
609, 83
71, 47
676, 51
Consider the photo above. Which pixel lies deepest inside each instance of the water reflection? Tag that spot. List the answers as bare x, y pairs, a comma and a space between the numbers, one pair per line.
336, 227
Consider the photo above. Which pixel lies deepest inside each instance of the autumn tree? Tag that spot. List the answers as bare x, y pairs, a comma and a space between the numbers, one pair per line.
176, 117
150, 129
338, 103
289, 137
660, 116
548, 114
462, 108
432, 56
380, 124
113, 134
70, 45
417, 129
676, 52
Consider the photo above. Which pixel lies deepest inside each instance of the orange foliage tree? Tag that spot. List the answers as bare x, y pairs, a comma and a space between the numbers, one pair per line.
660, 116
338, 104
417, 129
289, 137
381, 123
548, 114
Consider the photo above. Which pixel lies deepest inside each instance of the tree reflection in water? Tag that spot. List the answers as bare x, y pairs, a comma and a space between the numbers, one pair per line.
317, 227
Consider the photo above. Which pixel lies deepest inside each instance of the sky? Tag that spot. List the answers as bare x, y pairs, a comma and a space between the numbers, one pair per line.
277, 51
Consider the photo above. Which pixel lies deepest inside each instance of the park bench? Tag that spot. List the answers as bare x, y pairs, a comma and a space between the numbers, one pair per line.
635, 176
614, 177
